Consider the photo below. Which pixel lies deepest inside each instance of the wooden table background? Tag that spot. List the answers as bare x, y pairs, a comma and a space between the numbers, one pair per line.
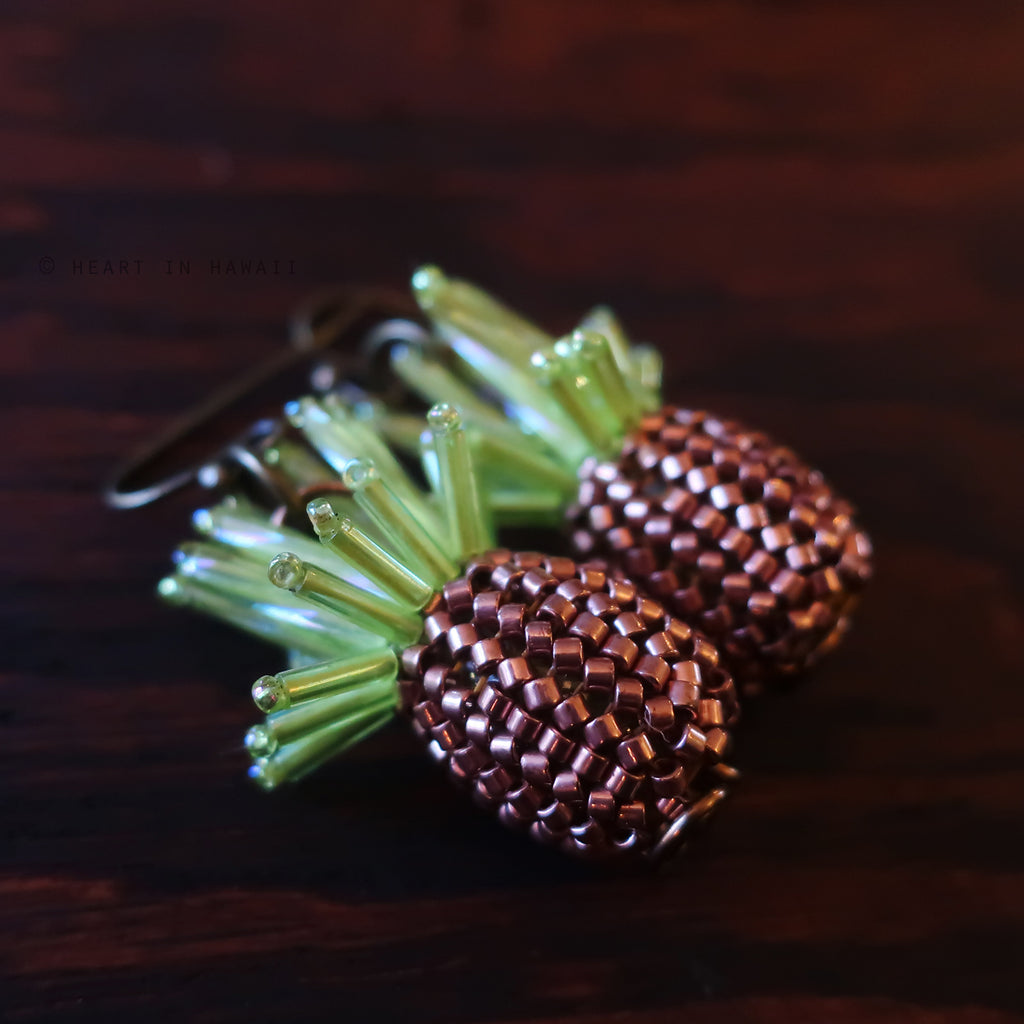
816, 210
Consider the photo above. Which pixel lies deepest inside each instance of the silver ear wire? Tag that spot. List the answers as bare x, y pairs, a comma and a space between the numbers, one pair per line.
375, 349
319, 325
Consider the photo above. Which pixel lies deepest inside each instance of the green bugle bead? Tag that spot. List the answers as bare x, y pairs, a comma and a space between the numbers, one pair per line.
340, 436
462, 309
556, 373
223, 569
341, 536
602, 422
293, 723
524, 507
421, 553
596, 354
369, 611
296, 685
495, 345
401, 430
501, 458
294, 468
372, 446
292, 761
286, 621
459, 492
240, 525
649, 366
434, 382
601, 320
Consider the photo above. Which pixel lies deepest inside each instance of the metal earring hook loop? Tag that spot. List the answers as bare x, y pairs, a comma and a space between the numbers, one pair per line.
316, 326
323, 317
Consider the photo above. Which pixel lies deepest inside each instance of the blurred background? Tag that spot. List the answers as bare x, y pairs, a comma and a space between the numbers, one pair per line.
816, 212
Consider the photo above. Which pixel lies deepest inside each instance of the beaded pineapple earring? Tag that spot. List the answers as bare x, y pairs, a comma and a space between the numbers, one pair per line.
560, 696
732, 532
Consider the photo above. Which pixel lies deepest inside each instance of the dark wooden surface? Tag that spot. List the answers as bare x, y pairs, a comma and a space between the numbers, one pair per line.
817, 211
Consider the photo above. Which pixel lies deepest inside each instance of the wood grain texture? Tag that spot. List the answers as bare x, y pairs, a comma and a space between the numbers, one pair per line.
815, 210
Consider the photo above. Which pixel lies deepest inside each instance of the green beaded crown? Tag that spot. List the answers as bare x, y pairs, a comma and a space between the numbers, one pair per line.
535, 407
343, 604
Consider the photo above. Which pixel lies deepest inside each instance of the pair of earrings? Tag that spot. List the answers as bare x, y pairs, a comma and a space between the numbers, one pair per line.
586, 698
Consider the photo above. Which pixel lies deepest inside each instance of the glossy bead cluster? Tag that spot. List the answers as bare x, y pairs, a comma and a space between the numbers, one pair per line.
734, 532
571, 704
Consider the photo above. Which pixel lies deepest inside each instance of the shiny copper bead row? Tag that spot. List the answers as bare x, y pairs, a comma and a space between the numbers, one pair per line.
733, 532
568, 702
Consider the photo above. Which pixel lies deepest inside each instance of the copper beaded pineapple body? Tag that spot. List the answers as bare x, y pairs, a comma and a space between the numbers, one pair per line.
735, 533
571, 704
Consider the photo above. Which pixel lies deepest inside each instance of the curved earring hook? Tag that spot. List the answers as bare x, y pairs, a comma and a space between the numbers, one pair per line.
317, 325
